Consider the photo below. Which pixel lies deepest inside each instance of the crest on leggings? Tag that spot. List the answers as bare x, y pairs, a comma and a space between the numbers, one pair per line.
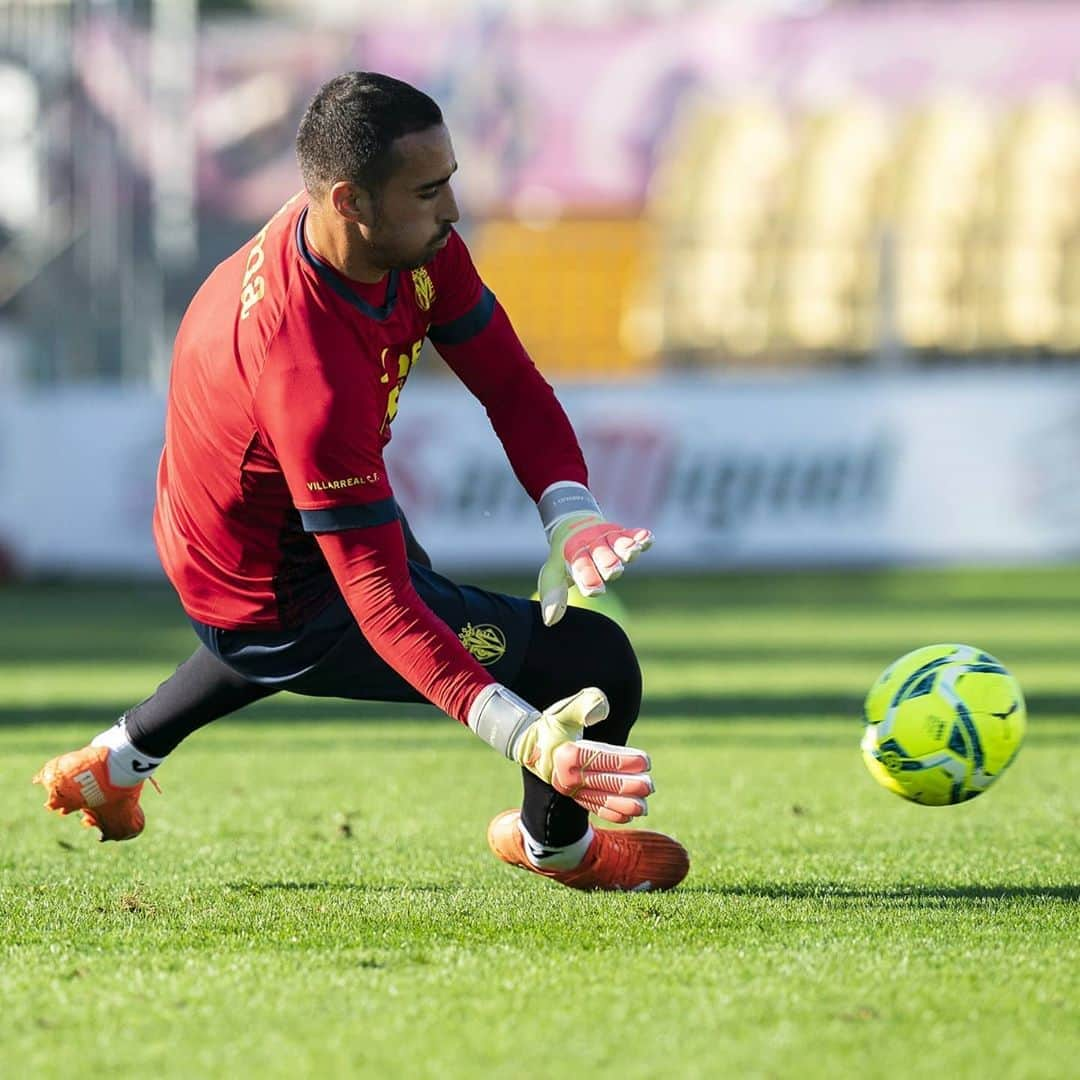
486, 642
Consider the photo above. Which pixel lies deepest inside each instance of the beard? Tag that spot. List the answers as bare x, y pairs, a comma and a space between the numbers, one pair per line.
390, 256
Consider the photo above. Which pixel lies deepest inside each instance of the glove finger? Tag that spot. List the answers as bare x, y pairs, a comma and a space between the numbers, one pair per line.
553, 606
574, 768
603, 804
630, 544
580, 710
607, 563
596, 545
551, 588
586, 577
614, 758
640, 785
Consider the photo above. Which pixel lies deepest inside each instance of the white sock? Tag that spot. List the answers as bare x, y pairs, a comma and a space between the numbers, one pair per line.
544, 857
128, 765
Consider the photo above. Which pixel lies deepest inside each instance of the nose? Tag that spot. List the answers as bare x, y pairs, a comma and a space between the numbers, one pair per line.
450, 213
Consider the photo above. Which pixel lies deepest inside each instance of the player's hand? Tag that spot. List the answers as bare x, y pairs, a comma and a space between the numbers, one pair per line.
587, 551
611, 781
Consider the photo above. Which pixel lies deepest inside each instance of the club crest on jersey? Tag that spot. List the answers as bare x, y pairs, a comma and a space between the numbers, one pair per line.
486, 642
424, 288
396, 367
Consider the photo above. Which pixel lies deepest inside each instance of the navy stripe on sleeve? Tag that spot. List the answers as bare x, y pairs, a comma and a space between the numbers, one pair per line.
340, 518
466, 326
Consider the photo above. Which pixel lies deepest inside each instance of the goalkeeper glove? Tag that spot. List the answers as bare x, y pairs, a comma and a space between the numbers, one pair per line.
611, 781
586, 550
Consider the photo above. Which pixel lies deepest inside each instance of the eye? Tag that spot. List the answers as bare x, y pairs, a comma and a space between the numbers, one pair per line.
427, 196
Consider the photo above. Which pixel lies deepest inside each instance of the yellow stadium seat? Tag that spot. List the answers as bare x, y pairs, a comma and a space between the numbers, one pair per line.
1033, 214
712, 207
943, 159
949, 227
829, 230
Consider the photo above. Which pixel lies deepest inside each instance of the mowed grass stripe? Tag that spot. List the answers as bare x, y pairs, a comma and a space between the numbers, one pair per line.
313, 895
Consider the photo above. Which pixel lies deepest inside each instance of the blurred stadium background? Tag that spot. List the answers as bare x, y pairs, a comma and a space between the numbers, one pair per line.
806, 274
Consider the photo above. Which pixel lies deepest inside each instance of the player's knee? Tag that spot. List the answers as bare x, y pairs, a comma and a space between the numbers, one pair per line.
613, 666
583, 649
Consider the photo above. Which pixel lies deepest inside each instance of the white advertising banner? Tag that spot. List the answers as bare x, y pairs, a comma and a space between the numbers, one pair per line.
833, 469
811, 470
77, 470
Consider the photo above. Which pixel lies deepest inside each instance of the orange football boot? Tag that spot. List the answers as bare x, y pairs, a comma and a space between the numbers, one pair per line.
618, 860
80, 781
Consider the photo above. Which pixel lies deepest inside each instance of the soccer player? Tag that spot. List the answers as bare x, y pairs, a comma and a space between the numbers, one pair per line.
277, 525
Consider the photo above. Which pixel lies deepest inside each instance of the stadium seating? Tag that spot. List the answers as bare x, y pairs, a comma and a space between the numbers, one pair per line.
939, 171
1037, 216
711, 229
947, 228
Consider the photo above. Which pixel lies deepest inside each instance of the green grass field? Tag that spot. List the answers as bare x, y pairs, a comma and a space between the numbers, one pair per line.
313, 895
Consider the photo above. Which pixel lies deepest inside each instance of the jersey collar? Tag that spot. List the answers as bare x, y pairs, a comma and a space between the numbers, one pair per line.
329, 277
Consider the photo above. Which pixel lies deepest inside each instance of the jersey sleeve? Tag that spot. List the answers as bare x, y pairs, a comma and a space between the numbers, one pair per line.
322, 423
372, 572
463, 304
474, 336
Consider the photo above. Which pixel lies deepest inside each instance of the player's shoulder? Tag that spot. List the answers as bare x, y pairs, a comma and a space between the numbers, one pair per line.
249, 288
274, 290
270, 262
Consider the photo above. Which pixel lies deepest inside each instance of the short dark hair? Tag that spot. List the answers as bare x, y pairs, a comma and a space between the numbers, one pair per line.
348, 130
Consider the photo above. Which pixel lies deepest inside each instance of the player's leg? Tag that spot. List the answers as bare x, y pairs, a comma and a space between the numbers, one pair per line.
506, 635
551, 834
583, 649
104, 780
201, 690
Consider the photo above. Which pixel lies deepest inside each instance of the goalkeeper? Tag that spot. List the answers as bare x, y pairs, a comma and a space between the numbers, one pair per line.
277, 525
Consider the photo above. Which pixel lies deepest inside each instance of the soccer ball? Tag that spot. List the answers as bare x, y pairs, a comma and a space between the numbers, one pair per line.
942, 724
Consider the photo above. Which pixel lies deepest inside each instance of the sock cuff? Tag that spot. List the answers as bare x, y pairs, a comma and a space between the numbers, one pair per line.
548, 857
127, 764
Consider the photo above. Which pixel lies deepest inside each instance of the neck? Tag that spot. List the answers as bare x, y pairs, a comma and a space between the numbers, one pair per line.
340, 244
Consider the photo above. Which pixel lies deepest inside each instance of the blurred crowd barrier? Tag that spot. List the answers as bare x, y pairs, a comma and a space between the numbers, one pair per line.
817, 469
869, 185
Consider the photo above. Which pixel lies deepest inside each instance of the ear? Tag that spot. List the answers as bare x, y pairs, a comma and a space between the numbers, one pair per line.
353, 203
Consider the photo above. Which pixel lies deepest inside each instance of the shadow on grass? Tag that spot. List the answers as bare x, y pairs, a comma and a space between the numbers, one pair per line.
831, 891
295, 709
794, 891
875, 655
259, 887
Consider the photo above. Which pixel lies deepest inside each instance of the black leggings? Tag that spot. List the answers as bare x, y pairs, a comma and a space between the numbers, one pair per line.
583, 649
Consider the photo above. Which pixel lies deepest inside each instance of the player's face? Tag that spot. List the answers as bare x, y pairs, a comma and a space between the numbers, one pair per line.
415, 207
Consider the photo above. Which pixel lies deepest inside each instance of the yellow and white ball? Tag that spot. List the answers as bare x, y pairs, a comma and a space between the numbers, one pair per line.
942, 724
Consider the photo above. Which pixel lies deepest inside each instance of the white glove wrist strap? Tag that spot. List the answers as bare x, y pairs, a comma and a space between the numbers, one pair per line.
563, 499
500, 718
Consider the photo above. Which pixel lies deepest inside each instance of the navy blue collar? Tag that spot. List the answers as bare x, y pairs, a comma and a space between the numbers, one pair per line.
329, 277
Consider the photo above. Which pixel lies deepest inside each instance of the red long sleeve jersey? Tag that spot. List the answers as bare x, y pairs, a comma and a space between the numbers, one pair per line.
272, 492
